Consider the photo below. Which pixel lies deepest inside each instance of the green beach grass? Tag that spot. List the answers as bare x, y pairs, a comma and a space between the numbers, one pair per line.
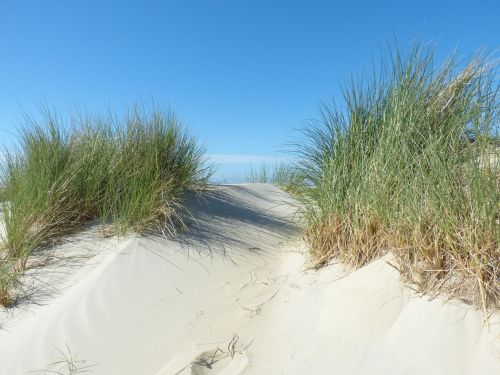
282, 175
128, 172
408, 164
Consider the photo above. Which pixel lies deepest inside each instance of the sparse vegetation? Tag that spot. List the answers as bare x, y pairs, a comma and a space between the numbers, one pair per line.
68, 364
409, 164
130, 172
282, 175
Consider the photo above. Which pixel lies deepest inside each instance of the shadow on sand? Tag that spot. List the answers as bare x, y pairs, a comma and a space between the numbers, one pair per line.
230, 221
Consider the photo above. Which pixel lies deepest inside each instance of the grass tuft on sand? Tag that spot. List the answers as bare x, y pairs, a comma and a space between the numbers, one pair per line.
282, 175
409, 163
129, 172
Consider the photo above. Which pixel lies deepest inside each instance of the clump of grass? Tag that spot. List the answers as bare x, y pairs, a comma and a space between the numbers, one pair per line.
409, 164
283, 175
130, 172
6, 283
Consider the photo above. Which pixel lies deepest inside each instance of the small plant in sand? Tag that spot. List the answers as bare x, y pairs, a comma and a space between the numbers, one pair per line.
130, 171
409, 164
68, 364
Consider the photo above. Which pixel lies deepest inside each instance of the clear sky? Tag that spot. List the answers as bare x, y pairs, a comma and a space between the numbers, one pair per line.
240, 74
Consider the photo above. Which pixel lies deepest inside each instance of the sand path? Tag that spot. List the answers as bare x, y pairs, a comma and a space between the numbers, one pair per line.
232, 297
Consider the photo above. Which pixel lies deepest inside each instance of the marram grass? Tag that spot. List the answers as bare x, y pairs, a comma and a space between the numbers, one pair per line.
409, 164
283, 175
129, 172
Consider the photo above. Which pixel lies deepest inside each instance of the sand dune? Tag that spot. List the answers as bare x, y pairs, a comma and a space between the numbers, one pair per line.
232, 296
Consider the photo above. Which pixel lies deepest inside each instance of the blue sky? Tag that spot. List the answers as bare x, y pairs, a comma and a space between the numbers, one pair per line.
240, 74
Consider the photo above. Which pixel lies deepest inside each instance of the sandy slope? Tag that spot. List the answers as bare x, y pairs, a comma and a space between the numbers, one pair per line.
232, 297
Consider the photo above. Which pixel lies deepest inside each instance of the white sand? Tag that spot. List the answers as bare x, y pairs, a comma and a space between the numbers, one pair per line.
232, 297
